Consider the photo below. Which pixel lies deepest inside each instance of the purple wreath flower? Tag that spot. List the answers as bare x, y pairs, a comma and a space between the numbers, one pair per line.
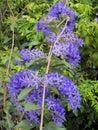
69, 51
56, 109
66, 87
28, 55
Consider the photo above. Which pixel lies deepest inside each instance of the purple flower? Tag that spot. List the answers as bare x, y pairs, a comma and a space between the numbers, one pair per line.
67, 50
40, 26
72, 53
36, 53
71, 37
33, 115
28, 55
56, 108
60, 9
27, 78
59, 49
55, 13
56, 9
66, 47
25, 54
23, 78
51, 38
36, 95
66, 87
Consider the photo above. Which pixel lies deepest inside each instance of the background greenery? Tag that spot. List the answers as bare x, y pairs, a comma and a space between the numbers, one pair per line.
20, 17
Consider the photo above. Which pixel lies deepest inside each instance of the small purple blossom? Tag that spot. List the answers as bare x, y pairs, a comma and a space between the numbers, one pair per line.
51, 38
23, 78
33, 115
71, 37
69, 51
56, 109
28, 55
40, 26
56, 9
25, 54
36, 53
36, 95
72, 53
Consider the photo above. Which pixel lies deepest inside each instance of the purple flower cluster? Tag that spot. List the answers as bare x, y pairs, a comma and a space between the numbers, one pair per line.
60, 9
71, 37
35, 96
27, 78
33, 115
23, 78
66, 87
57, 10
68, 45
28, 55
69, 51
40, 26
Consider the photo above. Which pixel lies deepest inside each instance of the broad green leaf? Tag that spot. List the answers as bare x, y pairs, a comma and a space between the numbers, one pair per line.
23, 93
31, 106
25, 125
53, 126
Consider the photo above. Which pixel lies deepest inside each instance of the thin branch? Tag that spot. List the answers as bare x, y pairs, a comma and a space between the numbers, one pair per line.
7, 74
60, 23
47, 70
9, 62
8, 67
9, 7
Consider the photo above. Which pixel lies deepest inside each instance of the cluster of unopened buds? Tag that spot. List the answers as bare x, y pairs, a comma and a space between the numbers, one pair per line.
67, 46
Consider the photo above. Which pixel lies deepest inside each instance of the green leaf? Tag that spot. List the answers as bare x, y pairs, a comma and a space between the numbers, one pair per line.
1, 97
66, 63
29, 44
31, 106
1, 90
54, 90
53, 126
25, 125
4, 124
23, 93
7, 107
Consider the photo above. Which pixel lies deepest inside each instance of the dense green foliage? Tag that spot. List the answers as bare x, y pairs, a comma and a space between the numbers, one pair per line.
21, 16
